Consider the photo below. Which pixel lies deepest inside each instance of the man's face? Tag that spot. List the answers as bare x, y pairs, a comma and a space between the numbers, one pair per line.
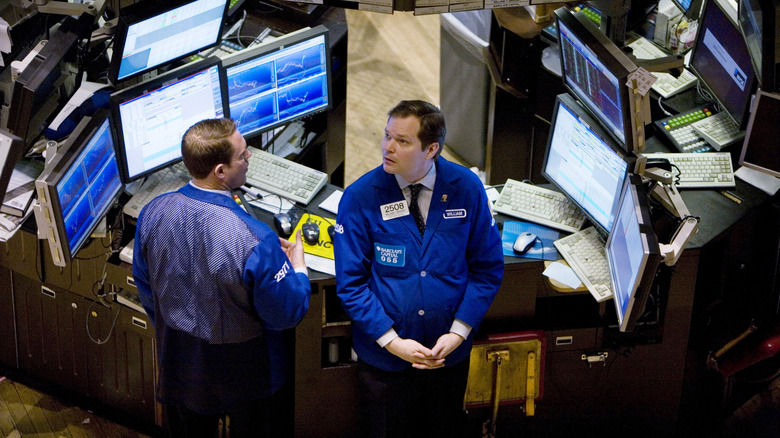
235, 171
402, 152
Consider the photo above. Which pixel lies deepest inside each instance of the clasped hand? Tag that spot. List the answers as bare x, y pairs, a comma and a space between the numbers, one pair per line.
421, 357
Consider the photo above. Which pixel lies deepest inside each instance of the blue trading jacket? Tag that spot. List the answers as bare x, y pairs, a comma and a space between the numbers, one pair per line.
387, 275
211, 277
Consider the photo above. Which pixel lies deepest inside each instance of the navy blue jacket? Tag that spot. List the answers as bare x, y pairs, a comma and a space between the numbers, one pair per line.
387, 275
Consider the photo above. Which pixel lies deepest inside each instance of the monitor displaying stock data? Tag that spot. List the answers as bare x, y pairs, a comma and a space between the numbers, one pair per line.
279, 82
585, 162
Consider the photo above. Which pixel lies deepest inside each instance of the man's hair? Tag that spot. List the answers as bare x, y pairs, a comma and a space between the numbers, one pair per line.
206, 144
432, 127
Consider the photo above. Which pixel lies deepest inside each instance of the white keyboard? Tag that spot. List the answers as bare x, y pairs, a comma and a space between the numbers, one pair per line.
719, 130
701, 169
539, 205
666, 85
584, 252
283, 177
166, 180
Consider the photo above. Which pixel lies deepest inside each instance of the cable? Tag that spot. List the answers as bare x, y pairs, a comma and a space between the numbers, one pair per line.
110, 331
661, 106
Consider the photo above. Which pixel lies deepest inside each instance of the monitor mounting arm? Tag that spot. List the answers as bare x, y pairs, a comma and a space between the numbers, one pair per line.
666, 193
674, 64
74, 9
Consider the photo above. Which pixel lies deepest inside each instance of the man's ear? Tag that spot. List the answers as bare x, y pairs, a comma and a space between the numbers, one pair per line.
433, 148
219, 170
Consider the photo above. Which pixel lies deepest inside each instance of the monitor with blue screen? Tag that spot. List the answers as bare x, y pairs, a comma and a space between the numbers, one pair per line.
633, 254
79, 187
152, 34
721, 60
596, 71
279, 82
585, 162
151, 117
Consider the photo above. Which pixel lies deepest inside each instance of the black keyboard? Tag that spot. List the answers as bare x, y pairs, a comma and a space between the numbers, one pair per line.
680, 134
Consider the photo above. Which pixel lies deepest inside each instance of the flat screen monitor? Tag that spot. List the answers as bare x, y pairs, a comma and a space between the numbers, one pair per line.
151, 34
633, 254
151, 117
596, 71
279, 82
11, 148
691, 8
34, 93
585, 162
721, 61
79, 186
759, 21
760, 150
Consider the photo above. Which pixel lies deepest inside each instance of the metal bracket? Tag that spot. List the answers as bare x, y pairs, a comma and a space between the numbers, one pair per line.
596, 357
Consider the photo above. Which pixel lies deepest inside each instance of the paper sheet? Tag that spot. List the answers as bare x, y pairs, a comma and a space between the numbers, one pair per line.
761, 180
563, 274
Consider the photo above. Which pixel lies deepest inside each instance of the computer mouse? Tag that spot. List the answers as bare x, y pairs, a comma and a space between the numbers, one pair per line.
331, 232
311, 233
524, 242
284, 223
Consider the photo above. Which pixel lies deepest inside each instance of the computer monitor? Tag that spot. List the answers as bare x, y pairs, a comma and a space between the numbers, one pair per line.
279, 82
151, 117
596, 71
154, 33
34, 98
78, 187
585, 162
721, 61
760, 150
759, 21
633, 254
691, 8
11, 148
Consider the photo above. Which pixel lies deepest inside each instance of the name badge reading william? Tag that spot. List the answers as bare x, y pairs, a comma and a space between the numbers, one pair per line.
455, 214
394, 210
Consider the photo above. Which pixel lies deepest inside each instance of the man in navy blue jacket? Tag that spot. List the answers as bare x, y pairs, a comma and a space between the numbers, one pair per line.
219, 287
418, 263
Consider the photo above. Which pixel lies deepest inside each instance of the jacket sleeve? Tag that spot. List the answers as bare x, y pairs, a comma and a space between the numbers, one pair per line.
485, 259
141, 273
279, 294
353, 253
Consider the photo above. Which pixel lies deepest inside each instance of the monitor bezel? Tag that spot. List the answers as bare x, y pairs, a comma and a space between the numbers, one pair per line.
751, 87
615, 61
637, 300
768, 68
271, 48
73, 148
584, 115
9, 156
142, 11
761, 96
174, 76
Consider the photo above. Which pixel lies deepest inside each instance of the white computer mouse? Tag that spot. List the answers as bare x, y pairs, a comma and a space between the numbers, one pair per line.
523, 242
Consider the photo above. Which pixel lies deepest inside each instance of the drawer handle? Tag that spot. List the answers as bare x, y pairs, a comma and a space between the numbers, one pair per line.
138, 322
48, 292
130, 281
564, 340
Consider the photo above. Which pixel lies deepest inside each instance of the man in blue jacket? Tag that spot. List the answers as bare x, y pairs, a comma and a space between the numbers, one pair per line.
418, 263
219, 286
